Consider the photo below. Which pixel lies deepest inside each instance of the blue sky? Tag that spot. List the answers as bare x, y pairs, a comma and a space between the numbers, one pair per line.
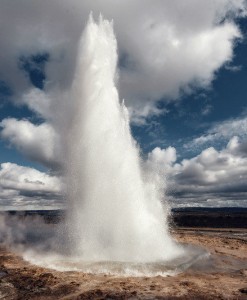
182, 75
193, 114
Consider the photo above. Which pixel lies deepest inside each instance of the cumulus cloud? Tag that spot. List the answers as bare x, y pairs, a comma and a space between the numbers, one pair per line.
236, 147
221, 132
168, 47
210, 176
218, 169
163, 158
22, 187
37, 142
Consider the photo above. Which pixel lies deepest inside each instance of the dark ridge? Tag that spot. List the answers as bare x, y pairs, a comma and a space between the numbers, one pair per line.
223, 217
211, 209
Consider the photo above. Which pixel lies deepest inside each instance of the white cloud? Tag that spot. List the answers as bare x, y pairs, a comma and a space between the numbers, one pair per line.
236, 147
233, 68
38, 101
214, 170
162, 157
216, 175
37, 142
27, 187
221, 131
16, 177
167, 47
207, 110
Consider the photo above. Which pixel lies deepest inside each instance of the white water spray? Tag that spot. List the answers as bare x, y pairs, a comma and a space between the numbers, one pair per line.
115, 210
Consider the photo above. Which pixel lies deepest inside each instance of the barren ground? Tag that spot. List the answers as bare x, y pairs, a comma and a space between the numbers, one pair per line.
228, 280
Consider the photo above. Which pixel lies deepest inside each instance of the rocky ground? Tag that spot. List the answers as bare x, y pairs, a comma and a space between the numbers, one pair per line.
225, 279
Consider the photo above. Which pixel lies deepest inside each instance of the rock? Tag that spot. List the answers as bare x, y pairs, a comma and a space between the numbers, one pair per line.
243, 290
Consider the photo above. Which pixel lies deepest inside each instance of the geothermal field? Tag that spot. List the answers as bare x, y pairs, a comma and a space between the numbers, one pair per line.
117, 238
214, 267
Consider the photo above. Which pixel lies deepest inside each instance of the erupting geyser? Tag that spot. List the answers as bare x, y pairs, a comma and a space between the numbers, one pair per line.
115, 211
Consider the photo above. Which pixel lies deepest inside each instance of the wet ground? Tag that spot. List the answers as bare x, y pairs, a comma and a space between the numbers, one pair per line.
222, 276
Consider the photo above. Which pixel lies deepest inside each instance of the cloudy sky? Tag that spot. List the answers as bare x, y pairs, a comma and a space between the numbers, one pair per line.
182, 72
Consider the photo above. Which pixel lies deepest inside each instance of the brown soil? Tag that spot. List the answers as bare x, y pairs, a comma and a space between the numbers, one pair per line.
21, 280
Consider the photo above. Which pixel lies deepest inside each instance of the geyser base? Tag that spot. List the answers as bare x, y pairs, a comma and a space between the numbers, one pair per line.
22, 280
192, 258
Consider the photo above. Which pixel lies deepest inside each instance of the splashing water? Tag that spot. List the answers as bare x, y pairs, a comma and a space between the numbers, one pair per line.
115, 210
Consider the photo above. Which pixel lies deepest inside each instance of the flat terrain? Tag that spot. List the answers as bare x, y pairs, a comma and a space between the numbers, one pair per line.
224, 278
